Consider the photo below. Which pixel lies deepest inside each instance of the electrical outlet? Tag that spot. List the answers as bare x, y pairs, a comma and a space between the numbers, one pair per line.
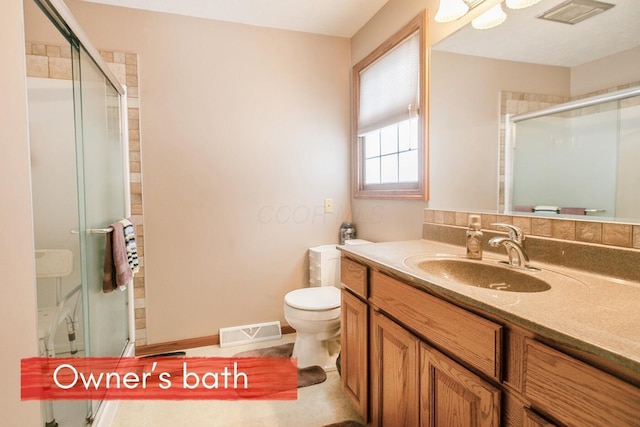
328, 205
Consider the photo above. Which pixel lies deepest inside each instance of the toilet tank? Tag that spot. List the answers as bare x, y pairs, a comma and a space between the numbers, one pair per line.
324, 266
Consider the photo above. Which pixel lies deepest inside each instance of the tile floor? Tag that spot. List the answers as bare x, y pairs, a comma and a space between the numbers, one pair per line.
316, 406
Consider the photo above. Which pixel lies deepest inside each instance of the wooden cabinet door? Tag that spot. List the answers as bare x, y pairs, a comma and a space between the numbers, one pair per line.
353, 352
452, 396
531, 419
394, 374
574, 393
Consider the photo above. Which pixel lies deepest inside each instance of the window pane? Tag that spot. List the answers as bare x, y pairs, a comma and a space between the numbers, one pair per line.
372, 144
389, 169
372, 171
408, 134
389, 139
408, 166
404, 136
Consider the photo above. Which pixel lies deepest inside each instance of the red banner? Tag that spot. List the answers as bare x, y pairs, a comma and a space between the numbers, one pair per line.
158, 378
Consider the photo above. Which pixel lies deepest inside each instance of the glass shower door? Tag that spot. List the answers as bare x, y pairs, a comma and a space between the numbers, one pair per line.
101, 181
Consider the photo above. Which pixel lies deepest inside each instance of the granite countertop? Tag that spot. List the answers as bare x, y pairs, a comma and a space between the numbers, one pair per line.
596, 314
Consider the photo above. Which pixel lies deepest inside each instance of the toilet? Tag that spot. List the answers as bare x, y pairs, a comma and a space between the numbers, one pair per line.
314, 312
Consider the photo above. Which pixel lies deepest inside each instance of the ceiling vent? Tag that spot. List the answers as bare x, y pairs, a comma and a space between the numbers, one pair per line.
574, 11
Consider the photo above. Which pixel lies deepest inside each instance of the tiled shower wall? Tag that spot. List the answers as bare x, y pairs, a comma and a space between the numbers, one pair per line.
54, 62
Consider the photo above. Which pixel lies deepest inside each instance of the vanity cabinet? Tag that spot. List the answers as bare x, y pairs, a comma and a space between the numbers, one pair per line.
395, 373
413, 358
574, 393
354, 338
353, 352
453, 396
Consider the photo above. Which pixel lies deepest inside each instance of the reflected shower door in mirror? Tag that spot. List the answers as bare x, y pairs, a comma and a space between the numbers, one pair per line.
525, 64
576, 160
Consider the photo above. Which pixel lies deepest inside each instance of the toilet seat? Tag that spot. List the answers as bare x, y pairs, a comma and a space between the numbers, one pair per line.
314, 299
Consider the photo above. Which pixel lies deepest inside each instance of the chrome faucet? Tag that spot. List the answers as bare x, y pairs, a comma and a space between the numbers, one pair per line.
514, 244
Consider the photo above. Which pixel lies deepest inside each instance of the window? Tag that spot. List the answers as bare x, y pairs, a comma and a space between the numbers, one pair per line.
390, 115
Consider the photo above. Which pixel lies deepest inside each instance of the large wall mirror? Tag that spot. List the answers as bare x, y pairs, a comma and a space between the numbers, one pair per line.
524, 64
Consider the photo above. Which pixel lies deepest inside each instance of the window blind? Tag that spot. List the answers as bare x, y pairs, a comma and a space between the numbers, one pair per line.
390, 87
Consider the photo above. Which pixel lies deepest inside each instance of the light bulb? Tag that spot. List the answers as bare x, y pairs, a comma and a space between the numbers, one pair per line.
450, 10
491, 18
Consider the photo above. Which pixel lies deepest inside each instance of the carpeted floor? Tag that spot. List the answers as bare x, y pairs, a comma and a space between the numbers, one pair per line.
306, 376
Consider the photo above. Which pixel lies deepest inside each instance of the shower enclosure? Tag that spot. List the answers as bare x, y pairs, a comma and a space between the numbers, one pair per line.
578, 158
80, 182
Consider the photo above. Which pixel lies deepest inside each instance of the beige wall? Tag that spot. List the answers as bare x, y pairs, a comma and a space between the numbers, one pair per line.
615, 70
244, 132
17, 271
463, 124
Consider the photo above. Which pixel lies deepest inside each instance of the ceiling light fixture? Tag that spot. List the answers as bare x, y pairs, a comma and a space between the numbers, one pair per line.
450, 10
520, 4
491, 18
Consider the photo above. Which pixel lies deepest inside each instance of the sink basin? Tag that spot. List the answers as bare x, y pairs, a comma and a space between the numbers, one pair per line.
480, 274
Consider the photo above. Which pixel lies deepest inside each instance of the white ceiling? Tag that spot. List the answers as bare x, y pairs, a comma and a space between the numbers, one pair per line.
521, 37
524, 38
342, 18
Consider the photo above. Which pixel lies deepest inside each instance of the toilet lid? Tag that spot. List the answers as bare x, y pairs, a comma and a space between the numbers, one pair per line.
320, 298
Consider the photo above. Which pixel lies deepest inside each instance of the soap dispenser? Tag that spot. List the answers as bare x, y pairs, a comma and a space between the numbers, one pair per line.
474, 238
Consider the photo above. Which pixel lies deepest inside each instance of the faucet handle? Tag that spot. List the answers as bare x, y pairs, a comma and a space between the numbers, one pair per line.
515, 233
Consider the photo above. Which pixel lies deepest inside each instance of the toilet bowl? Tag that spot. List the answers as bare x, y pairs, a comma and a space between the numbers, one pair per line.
314, 312
315, 315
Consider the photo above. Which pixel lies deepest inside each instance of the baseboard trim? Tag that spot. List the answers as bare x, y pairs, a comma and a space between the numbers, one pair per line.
169, 346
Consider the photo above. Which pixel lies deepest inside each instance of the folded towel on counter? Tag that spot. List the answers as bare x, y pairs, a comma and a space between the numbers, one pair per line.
523, 208
130, 244
547, 209
573, 211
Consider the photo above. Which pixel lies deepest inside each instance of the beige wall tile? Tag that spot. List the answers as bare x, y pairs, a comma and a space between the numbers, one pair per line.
53, 51
462, 219
541, 227
450, 218
616, 234
429, 216
523, 222
589, 232
65, 51
60, 68
504, 219
563, 229
39, 49
131, 58
37, 66
119, 70
487, 219
119, 57
107, 56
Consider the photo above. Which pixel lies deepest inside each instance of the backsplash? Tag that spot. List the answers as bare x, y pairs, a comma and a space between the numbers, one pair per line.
608, 248
617, 234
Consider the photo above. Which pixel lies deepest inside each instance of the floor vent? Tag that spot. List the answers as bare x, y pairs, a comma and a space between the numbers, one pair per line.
238, 335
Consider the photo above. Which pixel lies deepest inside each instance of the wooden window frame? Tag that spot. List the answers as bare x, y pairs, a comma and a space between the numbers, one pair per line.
410, 191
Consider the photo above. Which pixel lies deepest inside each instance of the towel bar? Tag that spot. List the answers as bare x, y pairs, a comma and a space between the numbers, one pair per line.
94, 231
